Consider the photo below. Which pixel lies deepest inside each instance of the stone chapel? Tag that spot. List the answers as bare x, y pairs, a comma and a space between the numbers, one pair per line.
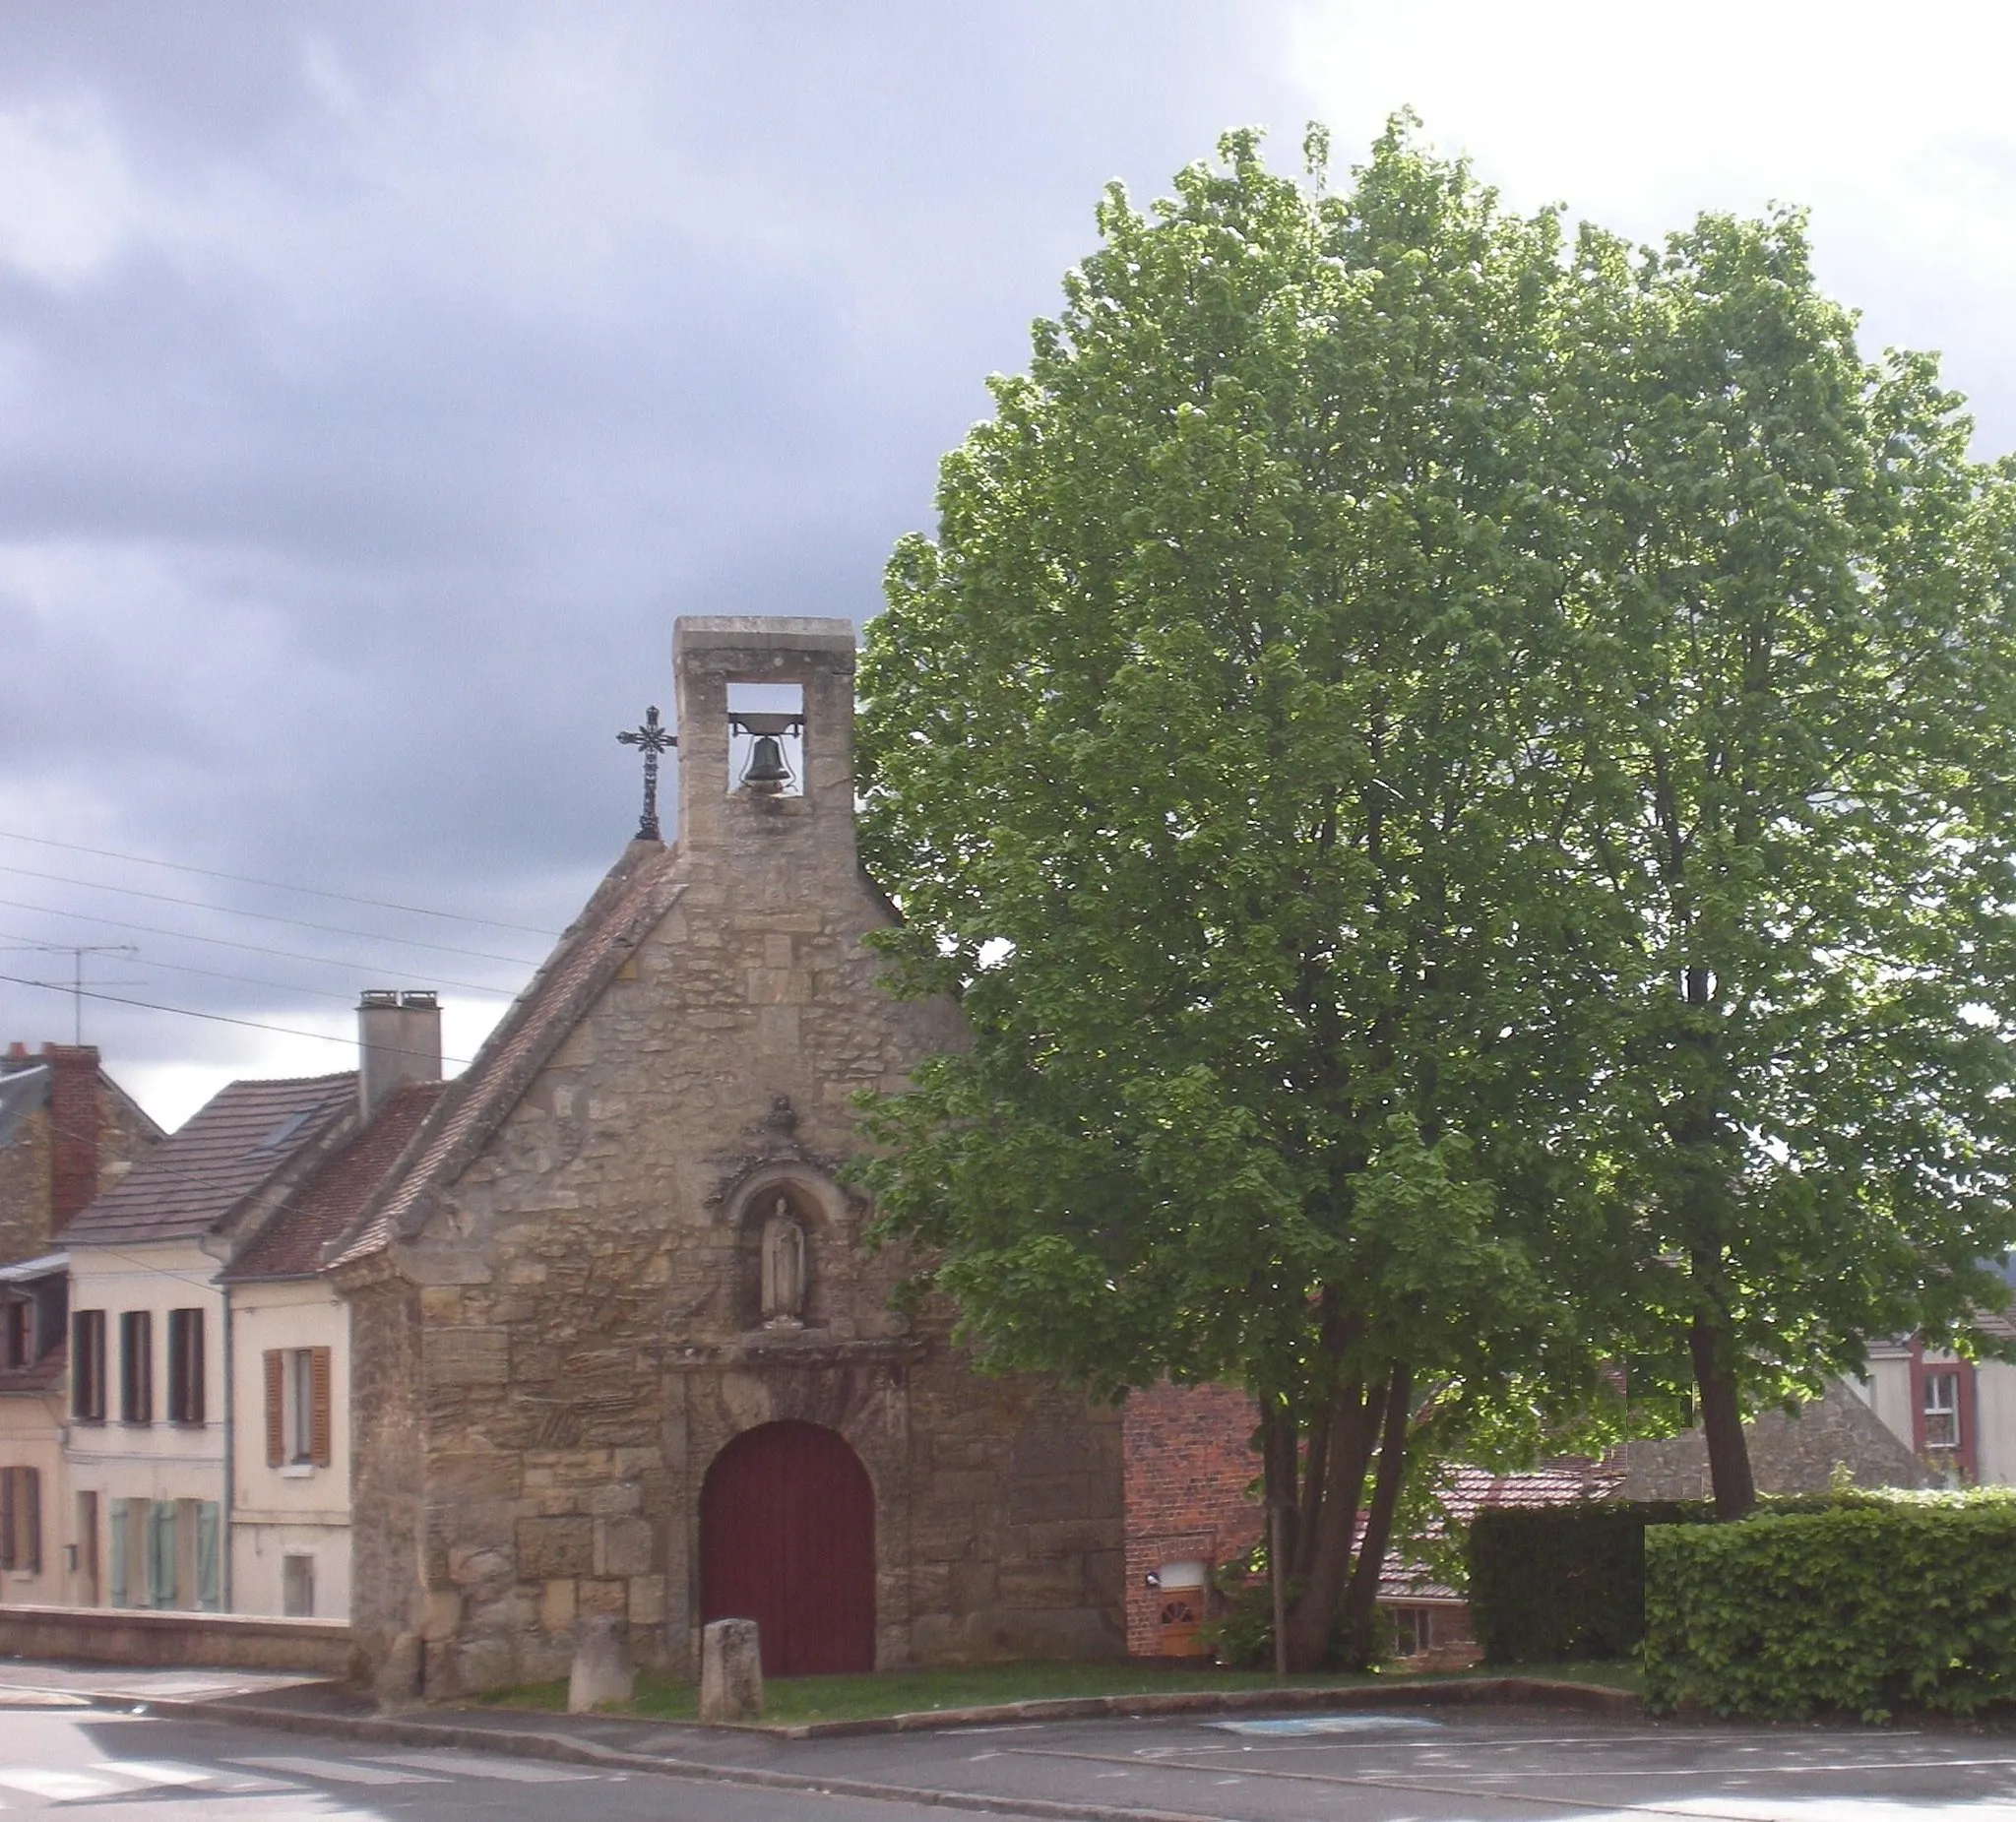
616, 1346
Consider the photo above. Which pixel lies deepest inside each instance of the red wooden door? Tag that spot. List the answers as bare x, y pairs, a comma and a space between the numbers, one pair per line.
787, 1540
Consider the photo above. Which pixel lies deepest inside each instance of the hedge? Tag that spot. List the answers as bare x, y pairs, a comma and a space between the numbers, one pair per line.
1558, 1583
1903, 1601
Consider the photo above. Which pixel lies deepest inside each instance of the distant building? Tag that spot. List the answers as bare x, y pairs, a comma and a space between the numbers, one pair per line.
67, 1130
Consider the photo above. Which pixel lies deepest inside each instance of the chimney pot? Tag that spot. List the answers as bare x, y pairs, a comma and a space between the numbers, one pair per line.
399, 1040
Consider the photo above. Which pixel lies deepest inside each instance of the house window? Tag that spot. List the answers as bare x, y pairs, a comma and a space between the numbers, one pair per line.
136, 1366
297, 1406
1414, 1630
1942, 1419
297, 1587
18, 1333
185, 1366
87, 1366
21, 1520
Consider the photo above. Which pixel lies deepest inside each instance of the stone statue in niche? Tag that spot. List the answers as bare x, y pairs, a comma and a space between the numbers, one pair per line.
783, 1269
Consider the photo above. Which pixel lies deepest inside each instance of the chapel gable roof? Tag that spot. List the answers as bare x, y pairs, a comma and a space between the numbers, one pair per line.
637, 892
328, 1204
246, 1136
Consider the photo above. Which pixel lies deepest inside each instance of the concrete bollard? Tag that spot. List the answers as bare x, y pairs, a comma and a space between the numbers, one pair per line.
602, 1672
730, 1672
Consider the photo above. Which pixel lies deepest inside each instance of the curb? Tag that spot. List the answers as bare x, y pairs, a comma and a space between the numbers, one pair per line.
385, 1730
1475, 1692
529, 1744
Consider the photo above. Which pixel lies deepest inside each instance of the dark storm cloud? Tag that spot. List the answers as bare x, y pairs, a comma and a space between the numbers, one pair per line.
376, 384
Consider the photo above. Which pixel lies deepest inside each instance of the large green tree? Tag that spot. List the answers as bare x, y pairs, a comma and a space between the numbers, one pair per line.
1310, 748
1200, 752
1797, 591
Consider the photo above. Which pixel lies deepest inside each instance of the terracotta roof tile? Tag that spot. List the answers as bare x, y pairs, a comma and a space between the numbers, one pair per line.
638, 891
323, 1208
234, 1144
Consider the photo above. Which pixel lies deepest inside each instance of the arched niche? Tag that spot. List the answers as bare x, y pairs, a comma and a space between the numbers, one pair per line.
771, 1198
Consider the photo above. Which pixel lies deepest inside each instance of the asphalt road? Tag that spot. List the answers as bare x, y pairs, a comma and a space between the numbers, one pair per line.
1359, 1768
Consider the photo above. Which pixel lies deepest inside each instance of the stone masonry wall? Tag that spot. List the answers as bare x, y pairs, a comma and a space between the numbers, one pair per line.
1190, 1462
387, 1488
588, 1285
24, 1190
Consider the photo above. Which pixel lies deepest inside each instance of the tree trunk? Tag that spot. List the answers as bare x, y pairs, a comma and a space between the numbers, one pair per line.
1354, 1424
1721, 1418
1362, 1601
1280, 1449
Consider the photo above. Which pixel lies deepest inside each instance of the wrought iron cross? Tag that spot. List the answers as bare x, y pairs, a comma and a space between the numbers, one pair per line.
654, 740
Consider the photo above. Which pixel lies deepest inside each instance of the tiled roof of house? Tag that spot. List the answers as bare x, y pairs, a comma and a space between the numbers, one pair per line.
290, 1245
232, 1146
638, 891
1470, 1490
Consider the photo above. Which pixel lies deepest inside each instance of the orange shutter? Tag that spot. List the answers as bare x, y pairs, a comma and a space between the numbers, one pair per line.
318, 1386
275, 1412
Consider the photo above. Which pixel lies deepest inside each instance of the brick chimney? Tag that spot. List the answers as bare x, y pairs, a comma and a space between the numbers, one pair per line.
399, 1040
74, 1114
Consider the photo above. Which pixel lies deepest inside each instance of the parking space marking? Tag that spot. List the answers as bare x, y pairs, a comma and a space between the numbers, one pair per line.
479, 1765
1817, 1808
336, 1771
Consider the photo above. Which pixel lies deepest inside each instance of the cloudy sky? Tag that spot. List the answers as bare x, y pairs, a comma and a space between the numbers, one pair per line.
378, 381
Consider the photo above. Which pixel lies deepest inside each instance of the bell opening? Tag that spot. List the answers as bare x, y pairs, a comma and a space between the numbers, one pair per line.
767, 739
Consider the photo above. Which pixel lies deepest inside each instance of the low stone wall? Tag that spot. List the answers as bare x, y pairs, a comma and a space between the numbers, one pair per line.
144, 1638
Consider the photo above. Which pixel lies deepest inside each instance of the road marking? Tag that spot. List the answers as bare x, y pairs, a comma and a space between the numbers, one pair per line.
161, 1770
1293, 1726
478, 1765
337, 1771
59, 1786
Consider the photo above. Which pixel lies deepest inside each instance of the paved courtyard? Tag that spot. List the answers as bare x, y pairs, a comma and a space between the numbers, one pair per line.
1423, 1767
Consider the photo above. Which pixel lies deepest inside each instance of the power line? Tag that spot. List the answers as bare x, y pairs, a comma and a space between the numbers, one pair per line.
300, 924
254, 980
185, 1011
276, 885
225, 942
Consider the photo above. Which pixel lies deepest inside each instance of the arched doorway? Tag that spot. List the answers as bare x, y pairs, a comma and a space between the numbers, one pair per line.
787, 1540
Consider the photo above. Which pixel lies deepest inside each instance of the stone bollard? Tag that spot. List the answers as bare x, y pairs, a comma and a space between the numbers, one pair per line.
730, 1672
601, 1671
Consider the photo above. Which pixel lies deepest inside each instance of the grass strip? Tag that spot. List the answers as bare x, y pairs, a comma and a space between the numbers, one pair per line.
791, 1699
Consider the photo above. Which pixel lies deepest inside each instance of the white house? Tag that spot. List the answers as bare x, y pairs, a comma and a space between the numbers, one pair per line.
146, 1457
209, 1365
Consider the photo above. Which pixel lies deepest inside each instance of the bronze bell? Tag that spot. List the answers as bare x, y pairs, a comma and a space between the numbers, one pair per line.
767, 770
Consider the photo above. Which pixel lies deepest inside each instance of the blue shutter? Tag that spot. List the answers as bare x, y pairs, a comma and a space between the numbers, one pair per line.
119, 1550
205, 1556
160, 1557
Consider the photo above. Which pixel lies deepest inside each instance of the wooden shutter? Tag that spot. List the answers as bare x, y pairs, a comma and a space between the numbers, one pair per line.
29, 1505
196, 1357
318, 1397
7, 1518
276, 1408
121, 1523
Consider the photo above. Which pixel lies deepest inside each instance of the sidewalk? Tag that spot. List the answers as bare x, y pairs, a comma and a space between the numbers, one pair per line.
307, 1704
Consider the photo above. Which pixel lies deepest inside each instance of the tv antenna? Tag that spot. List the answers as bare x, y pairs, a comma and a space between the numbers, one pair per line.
74, 986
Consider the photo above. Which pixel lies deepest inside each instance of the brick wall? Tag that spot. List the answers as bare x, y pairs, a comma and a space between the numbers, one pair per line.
76, 1143
1189, 1463
75, 1115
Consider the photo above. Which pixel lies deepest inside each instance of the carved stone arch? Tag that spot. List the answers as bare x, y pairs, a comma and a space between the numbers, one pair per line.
824, 1213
